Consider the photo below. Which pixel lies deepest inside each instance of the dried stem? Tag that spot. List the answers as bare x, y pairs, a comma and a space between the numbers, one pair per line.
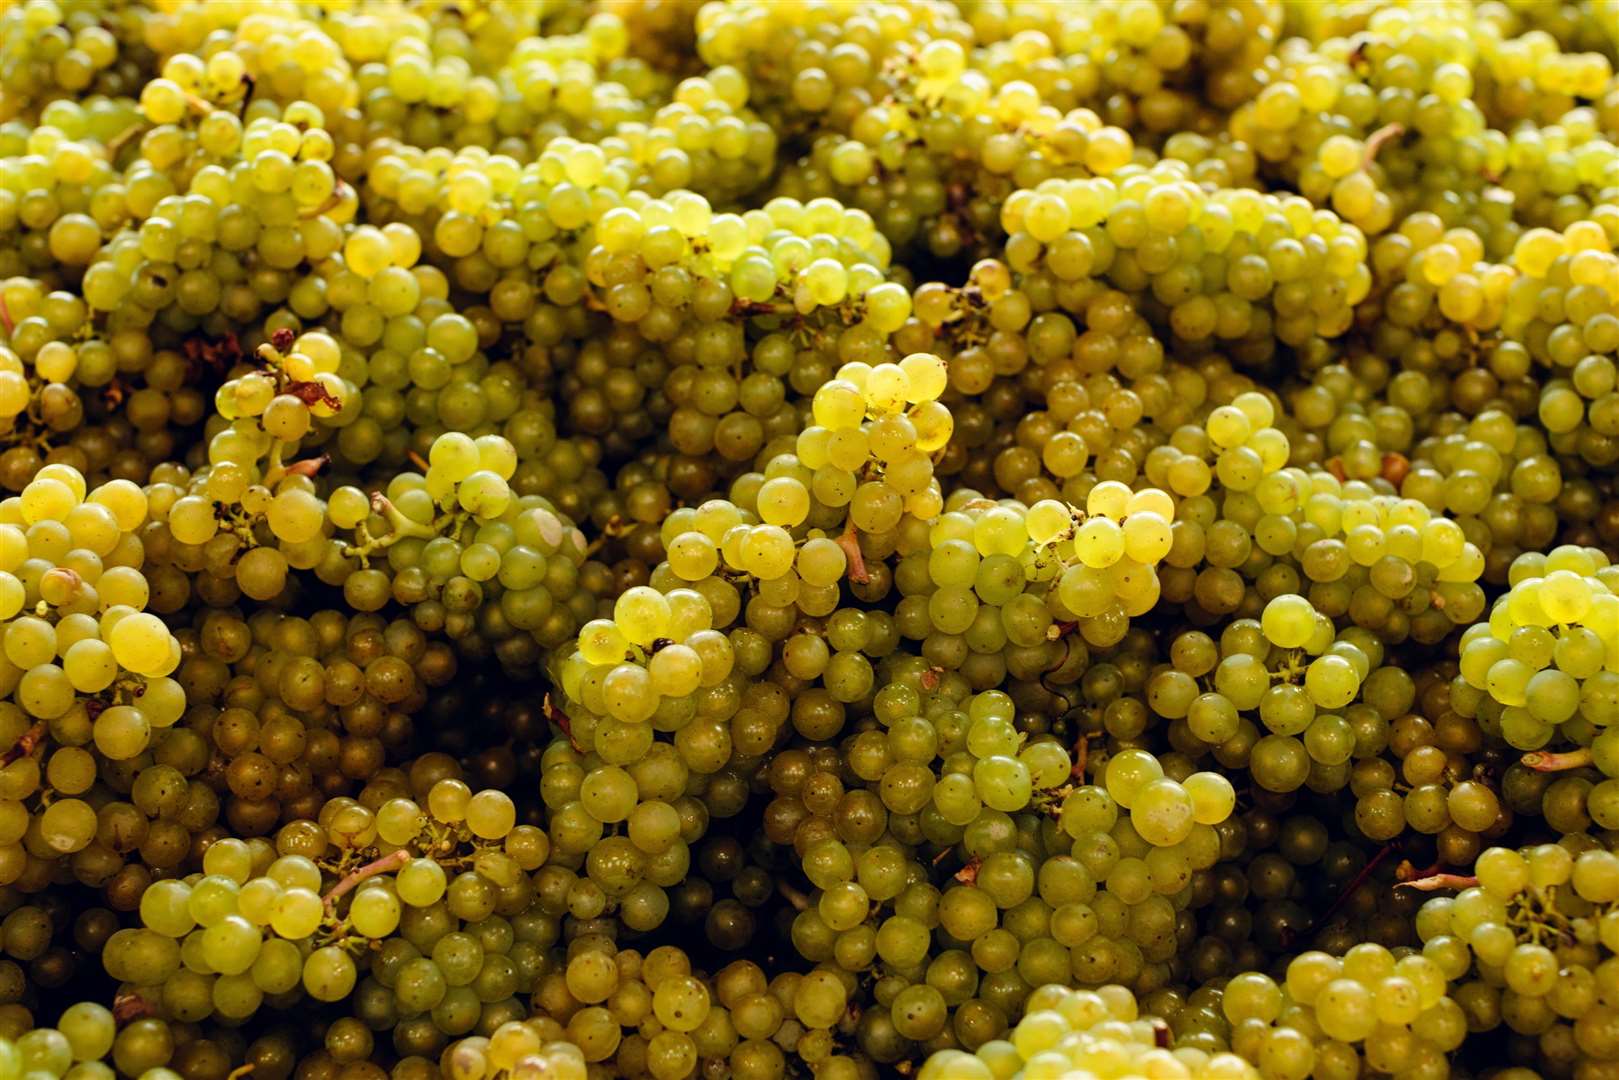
387, 864
793, 896
128, 1005
1435, 882
1548, 761
1355, 884
26, 745
1375, 141
561, 720
849, 541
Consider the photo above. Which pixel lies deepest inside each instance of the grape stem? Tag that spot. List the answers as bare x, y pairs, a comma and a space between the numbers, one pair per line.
241, 1071
400, 527
308, 466
849, 541
762, 307
1407, 872
1434, 882
128, 1005
793, 896
1082, 756
26, 745
387, 864
118, 141
1395, 468
1548, 761
333, 201
561, 720
1355, 884
274, 471
5, 316
1375, 141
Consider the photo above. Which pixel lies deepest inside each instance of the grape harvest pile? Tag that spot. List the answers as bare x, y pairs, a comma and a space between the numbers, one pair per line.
836, 539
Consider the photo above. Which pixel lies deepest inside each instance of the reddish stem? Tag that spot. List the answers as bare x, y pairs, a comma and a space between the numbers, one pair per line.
1355, 883
1082, 757
26, 745
968, 874
561, 720
1395, 468
1434, 882
390, 862
417, 460
127, 1006
849, 541
308, 466
1548, 761
1407, 872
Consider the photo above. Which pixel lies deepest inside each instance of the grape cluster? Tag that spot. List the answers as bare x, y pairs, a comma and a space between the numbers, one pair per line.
966, 539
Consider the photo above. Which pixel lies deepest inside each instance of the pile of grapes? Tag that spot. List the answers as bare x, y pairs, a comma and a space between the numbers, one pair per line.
836, 539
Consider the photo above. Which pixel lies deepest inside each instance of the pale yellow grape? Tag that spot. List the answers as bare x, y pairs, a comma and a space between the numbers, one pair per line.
839, 405
602, 642
1565, 596
12, 595
1272, 447
767, 551
642, 614
933, 423
124, 585
675, 670
1099, 542
140, 642
782, 501
821, 562
1047, 520
14, 393
296, 516
192, 520
1147, 537
420, 882
1109, 499
297, 914
125, 499
1442, 542
448, 799
689, 612
367, 251
1256, 407
928, 376
887, 389
497, 455
855, 373
491, 814
455, 456
90, 665
1213, 797
1151, 500
1288, 620
65, 474
1228, 426
46, 500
